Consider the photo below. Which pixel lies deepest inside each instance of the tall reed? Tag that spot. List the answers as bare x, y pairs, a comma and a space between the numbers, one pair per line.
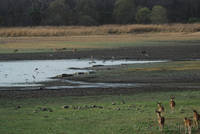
95, 30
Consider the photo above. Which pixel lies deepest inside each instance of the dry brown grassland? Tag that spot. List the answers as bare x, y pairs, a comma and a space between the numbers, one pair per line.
95, 30
48, 37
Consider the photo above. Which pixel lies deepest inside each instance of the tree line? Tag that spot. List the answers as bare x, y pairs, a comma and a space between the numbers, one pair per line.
97, 12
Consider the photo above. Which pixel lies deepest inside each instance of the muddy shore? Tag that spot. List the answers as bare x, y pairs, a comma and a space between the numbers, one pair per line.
182, 52
179, 52
19, 94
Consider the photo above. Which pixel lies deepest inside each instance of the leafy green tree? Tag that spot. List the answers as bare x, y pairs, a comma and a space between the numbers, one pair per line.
36, 16
87, 12
58, 13
194, 20
35, 11
124, 11
143, 15
105, 11
158, 15
86, 21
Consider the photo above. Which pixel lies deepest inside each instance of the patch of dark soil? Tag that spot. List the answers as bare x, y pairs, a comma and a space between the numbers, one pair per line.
19, 94
178, 52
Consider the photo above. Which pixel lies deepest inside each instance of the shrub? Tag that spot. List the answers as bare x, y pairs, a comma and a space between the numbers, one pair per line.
193, 20
124, 11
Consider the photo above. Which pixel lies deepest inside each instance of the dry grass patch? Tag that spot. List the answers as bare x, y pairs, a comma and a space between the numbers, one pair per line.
95, 30
8, 44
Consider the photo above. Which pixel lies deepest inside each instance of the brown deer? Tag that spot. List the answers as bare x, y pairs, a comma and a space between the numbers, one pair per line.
161, 120
160, 107
188, 125
196, 118
172, 103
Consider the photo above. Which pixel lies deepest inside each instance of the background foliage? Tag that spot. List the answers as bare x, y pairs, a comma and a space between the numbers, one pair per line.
96, 12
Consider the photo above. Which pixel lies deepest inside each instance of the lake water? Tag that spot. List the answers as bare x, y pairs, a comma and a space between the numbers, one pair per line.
30, 72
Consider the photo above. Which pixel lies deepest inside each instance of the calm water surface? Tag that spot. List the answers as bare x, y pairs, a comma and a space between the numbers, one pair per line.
30, 72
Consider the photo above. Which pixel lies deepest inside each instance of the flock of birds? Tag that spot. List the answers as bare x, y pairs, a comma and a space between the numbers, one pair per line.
187, 122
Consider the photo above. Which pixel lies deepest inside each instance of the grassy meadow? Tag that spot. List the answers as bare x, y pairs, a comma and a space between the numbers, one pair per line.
130, 114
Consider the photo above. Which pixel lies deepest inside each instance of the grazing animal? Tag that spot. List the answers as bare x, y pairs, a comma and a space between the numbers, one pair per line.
196, 118
188, 125
160, 107
16, 50
74, 50
145, 53
161, 120
172, 103
113, 103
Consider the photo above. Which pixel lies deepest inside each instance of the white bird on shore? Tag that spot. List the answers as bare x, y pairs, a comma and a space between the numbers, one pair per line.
92, 60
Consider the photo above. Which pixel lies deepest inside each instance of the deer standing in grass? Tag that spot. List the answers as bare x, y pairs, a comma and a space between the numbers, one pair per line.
196, 118
161, 120
172, 103
160, 107
188, 125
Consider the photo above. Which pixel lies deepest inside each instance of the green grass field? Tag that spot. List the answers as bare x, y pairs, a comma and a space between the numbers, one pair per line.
136, 115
